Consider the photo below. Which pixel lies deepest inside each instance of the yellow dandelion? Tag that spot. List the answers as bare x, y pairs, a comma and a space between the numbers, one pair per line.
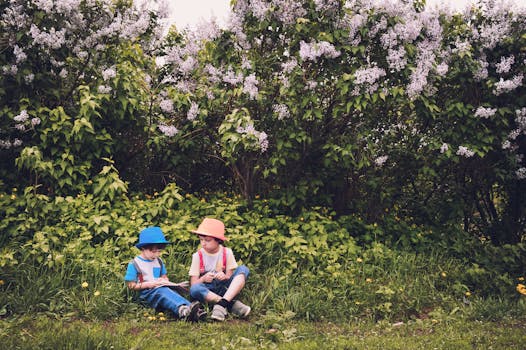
15, 189
162, 318
90, 182
521, 288
443, 274
160, 314
2, 282
84, 285
368, 280
152, 318
520, 278
467, 294
97, 293
359, 260
145, 314
13, 196
358, 302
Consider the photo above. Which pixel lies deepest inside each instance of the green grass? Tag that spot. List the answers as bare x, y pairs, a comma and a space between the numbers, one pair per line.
260, 332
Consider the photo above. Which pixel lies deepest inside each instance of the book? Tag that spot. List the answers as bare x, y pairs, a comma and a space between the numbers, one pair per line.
179, 287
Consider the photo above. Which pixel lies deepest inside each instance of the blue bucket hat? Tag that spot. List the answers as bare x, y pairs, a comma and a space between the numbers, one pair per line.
151, 235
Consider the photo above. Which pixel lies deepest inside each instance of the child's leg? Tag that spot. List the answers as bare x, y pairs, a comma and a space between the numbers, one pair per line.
237, 283
165, 298
202, 292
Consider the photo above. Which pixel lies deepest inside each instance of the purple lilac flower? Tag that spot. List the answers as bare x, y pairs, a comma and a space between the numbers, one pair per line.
167, 106
505, 64
465, 152
281, 110
483, 112
193, 111
380, 160
168, 130
250, 86
503, 86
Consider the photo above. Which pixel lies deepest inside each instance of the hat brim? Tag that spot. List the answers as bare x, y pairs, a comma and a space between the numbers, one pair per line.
223, 238
140, 245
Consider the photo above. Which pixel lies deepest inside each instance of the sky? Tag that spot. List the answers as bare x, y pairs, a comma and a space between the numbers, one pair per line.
192, 12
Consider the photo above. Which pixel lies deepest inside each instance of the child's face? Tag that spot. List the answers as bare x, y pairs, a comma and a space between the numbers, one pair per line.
209, 244
152, 252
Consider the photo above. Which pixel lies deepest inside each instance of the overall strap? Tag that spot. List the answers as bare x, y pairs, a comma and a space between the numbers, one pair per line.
202, 264
138, 269
224, 259
161, 265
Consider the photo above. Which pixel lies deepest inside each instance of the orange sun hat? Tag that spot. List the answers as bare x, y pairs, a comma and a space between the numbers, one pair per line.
211, 227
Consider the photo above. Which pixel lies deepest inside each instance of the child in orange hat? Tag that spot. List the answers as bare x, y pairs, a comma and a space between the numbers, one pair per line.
215, 276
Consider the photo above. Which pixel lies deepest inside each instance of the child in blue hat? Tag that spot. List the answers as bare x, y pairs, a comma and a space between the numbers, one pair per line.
147, 274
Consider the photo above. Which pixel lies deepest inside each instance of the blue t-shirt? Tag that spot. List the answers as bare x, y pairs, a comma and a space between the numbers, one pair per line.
150, 269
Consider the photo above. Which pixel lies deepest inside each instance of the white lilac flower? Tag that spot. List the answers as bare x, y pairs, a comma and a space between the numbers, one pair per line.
10, 70
168, 130
231, 77
109, 73
259, 9
444, 147
461, 47
396, 58
311, 84
520, 119
505, 64
521, 173
465, 152
22, 117
250, 86
35, 121
206, 31
368, 75
5, 144
245, 63
380, 160
20, 56
193, 111
17, 142
506, 144
482, 72
103, 89
281, 110
289, 66
289, 10
311, 51
52, 39
188, 65
167, 106
20, 127
263, 141
442, 69
483, 112
503, 86
63, 73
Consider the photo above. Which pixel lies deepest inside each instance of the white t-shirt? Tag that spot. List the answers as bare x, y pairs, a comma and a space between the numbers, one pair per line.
212, 262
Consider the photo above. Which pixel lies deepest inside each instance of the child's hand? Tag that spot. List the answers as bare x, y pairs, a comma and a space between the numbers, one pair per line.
220, 276
209, 277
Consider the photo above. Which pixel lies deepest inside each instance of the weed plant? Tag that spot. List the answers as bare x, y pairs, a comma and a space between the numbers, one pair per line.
70, 261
